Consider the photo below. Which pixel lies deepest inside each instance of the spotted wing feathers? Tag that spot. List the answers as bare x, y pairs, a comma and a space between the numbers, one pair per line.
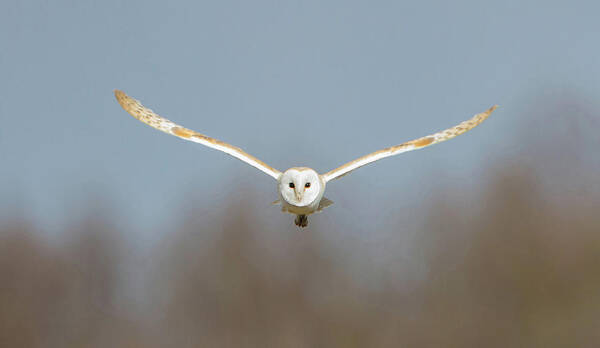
137, 110
410, 145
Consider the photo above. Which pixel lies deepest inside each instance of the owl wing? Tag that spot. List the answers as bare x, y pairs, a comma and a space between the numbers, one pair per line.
137, 110
410, 145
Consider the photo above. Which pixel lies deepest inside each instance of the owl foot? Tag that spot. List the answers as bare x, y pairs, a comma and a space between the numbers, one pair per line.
301, 220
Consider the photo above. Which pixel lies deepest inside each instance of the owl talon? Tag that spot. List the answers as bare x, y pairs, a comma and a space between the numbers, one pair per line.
301, 220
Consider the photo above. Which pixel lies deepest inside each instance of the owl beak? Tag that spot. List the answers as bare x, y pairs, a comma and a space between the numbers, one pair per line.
299, 195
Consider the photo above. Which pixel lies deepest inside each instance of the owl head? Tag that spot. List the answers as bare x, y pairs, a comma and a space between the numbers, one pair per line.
301, 186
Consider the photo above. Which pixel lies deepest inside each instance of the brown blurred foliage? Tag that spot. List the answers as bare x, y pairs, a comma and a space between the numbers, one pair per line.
522, 271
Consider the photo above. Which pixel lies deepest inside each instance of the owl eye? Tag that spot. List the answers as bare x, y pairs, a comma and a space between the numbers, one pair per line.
307, 185
292, 185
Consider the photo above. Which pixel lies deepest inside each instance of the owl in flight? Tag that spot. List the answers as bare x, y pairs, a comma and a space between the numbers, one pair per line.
300, 188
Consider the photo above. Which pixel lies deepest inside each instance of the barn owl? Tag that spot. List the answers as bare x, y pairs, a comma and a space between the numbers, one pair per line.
300, 189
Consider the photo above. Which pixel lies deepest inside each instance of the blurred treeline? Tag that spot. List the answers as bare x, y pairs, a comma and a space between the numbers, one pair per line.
521, 271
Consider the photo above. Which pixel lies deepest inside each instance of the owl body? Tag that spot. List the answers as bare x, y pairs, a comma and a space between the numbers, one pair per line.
300, 189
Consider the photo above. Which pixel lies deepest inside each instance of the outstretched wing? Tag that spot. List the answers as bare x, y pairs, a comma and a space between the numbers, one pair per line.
137, 110
410, 145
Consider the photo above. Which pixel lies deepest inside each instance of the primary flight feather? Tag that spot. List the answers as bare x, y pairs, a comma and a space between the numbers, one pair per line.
300, 189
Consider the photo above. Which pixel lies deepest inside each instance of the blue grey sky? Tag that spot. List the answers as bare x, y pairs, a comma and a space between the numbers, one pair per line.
315, 83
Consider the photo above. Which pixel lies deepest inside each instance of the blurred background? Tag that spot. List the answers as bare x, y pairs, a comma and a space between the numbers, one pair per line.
114, 234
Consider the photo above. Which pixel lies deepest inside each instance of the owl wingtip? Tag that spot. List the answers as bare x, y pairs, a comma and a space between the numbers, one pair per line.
489, 111
119, 94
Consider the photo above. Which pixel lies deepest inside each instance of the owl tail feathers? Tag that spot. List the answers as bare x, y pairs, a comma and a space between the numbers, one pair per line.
302, 220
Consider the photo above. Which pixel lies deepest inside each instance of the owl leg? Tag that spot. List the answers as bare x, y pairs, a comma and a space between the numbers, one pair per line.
301, 220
